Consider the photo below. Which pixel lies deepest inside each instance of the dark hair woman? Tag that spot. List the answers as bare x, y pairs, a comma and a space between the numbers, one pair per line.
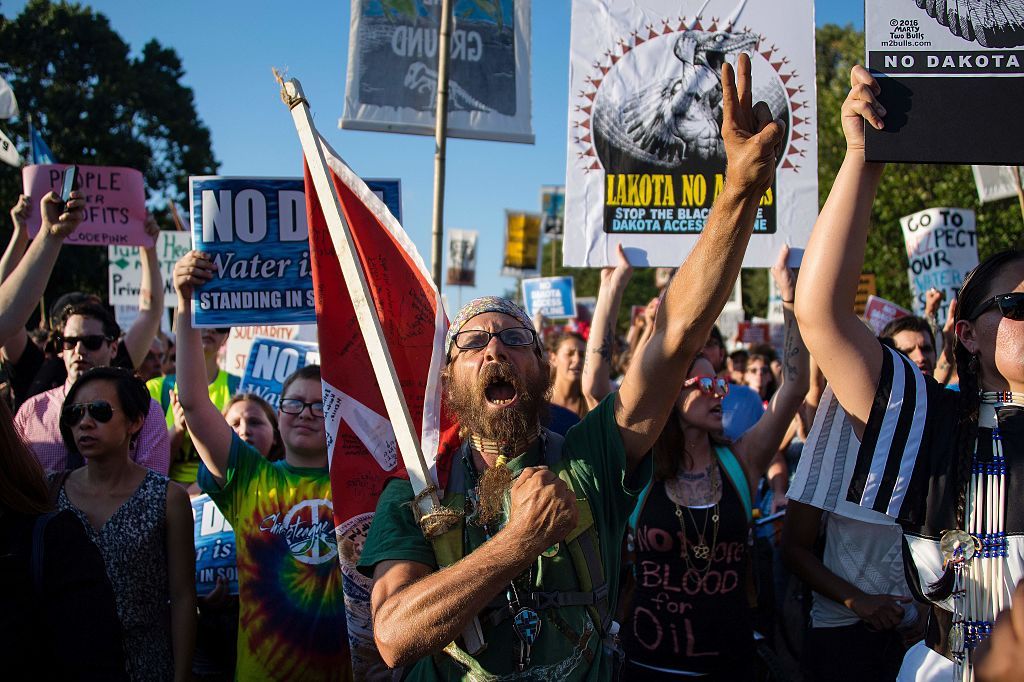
53, 580
689, 614
947, 466
139, 520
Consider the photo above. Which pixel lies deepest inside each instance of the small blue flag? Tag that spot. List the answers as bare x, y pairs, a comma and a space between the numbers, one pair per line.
40, 151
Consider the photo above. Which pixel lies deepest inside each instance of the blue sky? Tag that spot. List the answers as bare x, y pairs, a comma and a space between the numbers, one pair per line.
228, 48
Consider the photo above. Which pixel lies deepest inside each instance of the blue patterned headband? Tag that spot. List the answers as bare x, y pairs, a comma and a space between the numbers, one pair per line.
486, 304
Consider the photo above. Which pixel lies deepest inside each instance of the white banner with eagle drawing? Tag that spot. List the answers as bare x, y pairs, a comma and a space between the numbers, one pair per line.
646, 159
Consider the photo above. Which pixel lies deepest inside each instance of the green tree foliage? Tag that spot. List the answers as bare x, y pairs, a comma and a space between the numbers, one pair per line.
95, 103
905, 188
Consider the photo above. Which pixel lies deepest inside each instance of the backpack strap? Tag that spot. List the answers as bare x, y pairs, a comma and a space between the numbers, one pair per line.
38, 547
737, 476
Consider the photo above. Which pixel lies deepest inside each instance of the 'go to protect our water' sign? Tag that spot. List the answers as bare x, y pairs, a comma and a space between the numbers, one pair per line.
942, 247
551, 296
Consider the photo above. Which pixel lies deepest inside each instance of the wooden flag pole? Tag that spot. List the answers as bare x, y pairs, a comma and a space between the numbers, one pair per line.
366, 312
440, 140
426, 499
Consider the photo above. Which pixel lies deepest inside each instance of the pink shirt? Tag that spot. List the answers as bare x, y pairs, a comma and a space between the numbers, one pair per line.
38, 420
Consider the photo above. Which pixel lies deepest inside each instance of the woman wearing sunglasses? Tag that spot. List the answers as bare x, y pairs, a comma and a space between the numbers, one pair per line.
946, 465
689, 615
139, 520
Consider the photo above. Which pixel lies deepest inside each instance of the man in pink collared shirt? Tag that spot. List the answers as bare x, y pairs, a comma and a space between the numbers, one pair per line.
89, 339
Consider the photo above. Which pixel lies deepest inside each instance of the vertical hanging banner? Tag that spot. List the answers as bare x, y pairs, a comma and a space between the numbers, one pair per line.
392, 69
256, 232
942, 247
936, 61
646, 158
552, 207
522, 244
462, 258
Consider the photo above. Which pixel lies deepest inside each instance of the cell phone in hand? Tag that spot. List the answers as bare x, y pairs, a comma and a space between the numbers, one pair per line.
70, 181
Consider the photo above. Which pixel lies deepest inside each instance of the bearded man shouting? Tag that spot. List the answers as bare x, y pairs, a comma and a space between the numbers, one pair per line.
537, 557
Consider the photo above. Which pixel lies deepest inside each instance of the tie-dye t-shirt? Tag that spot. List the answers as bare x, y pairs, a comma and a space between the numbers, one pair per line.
291, 623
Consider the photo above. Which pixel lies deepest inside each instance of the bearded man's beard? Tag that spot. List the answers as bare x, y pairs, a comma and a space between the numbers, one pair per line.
468, 402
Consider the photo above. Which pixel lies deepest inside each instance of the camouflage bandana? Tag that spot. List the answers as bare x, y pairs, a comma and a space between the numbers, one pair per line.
487, 304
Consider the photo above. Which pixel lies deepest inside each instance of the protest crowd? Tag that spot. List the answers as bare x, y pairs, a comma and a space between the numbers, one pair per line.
664, 504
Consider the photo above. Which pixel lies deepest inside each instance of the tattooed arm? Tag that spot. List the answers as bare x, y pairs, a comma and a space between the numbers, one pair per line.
759, 444
601, 344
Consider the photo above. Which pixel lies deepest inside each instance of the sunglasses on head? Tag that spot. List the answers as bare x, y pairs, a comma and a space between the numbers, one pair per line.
100, 410
1011, 306
709, 385
90, 341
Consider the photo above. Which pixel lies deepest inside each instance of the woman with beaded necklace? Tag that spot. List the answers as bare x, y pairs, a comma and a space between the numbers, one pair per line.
689, 615
944, 464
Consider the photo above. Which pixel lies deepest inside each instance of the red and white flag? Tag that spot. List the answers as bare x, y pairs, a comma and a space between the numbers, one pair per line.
361, 444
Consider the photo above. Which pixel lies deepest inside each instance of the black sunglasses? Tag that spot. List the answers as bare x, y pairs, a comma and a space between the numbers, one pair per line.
1011, 306
100, 410
90, 341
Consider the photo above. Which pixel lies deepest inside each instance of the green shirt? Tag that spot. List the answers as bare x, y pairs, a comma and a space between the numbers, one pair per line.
569, 643
185, 464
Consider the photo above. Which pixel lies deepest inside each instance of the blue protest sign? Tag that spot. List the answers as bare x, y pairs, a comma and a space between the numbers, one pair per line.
255, 230
390, 192
551, 296
270, 362
215, 547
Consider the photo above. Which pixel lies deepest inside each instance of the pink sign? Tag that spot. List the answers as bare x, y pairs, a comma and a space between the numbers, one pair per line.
879, 312
115, 203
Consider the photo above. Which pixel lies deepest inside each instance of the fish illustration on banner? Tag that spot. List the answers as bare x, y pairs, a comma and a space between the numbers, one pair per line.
362, 445
646, 157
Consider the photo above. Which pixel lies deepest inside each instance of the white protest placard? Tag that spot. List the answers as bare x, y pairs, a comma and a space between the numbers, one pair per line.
124, 268
995, 182
645, 156
462, 258
392, 69
942, 247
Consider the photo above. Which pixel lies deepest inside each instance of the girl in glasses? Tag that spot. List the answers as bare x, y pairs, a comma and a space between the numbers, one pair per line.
289, 579
689, 614
947, 466
139, 520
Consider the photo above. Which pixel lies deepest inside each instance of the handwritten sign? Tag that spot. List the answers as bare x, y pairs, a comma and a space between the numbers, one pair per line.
867, 286
550, 296
271, 361
754, 333
124, 268
879, 312
115, 203
215, 547
942, 247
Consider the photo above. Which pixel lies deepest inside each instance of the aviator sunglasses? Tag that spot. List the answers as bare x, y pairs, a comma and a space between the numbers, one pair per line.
90, 341
100, 410
1011, 306
715, 386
